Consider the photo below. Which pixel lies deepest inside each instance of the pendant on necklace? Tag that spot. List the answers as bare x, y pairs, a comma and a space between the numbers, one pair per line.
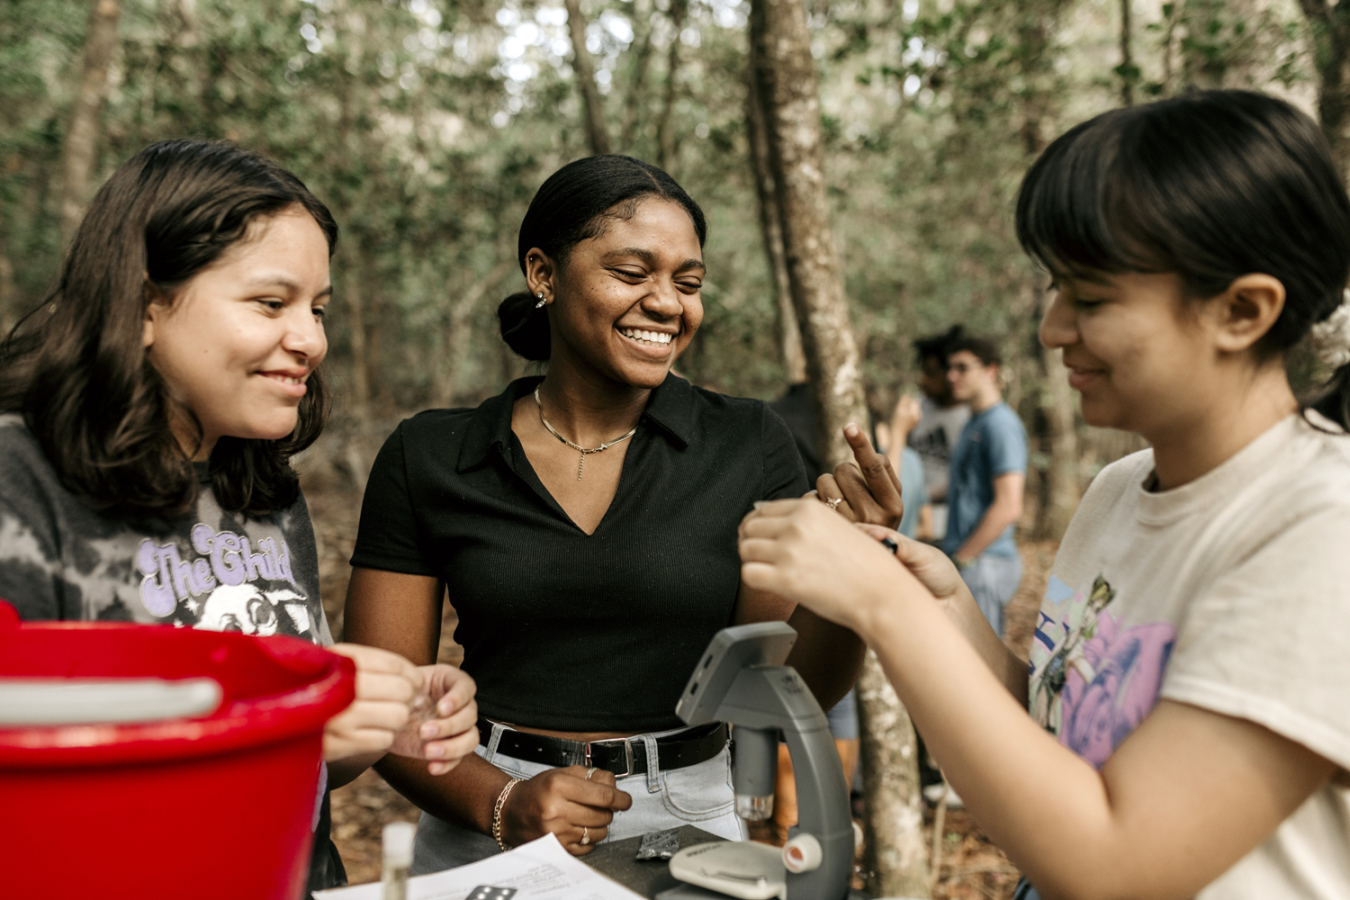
581, 463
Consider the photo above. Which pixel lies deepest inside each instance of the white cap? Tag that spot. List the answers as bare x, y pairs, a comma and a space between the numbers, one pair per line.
802, 853
398, 843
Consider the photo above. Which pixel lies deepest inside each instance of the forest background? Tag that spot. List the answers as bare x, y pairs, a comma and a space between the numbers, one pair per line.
427, 125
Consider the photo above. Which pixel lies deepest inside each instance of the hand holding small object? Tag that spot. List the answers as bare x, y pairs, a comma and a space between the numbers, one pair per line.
443, 728
575, 803
931, 566
386, 684
802, 552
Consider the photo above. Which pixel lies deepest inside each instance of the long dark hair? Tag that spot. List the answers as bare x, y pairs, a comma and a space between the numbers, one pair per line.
76, 368
1212, 186
573, 205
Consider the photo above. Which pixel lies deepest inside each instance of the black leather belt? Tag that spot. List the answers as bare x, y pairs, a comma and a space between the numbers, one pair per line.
622, 756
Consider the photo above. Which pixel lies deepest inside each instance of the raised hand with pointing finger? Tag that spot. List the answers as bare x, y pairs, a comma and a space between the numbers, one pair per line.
866, 490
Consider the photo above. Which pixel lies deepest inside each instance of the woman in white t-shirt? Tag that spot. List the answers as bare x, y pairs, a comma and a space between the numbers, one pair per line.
1189, 684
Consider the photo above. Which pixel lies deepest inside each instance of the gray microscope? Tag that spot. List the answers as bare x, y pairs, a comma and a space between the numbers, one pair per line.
741, 680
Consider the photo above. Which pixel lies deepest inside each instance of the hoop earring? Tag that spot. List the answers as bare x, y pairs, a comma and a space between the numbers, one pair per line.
542, 301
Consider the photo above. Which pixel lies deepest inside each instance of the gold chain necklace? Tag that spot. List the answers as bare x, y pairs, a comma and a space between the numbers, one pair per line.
581, 463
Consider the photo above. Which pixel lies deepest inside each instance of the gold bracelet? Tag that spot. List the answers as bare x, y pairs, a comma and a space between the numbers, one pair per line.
497, 812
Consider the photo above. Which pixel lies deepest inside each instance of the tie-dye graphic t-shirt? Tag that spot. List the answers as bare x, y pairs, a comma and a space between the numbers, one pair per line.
1230, 593
213, 569
60, 560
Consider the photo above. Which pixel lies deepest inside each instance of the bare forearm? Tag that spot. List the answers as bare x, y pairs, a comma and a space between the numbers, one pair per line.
908, 413
464, 796
1002, 512
1160, 819
1006, 666
967, 720
826, 655
996, 519
924, 530
345, 771
896, 448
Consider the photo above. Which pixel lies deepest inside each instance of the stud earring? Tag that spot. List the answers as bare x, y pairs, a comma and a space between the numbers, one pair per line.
542, 301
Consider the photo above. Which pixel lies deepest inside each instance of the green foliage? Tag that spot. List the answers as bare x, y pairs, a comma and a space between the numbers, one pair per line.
428, 124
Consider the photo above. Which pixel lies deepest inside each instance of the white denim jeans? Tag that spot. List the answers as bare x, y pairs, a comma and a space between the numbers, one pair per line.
699, 795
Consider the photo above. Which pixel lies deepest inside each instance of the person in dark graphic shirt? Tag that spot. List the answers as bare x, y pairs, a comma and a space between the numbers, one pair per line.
149, 407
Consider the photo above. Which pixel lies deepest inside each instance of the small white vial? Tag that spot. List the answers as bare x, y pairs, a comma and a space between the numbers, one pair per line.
398, 853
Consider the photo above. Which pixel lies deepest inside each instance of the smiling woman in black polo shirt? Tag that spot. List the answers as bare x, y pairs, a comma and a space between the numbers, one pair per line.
584, 525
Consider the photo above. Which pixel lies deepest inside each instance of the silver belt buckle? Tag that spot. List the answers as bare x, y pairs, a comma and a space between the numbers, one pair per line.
627, 754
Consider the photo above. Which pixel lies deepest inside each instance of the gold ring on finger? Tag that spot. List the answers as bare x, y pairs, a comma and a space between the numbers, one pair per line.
834, 504
585, 836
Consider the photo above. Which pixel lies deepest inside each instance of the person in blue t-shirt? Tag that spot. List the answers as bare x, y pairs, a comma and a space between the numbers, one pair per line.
988, 471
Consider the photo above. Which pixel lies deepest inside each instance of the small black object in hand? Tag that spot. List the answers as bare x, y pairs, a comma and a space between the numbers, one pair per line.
890, 545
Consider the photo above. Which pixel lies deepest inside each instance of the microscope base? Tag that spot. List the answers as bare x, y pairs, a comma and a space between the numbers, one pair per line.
740, 869
689, 892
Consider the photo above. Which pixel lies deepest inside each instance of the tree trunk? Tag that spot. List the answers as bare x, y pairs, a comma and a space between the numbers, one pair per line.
785, 79
895, 859
81, 143
665, 134
1059, 490
771, 228
1129, 73
1330, 25
1062, 489
638, 80
594, 113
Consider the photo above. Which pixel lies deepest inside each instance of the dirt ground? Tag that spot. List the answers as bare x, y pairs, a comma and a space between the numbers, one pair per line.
970, 867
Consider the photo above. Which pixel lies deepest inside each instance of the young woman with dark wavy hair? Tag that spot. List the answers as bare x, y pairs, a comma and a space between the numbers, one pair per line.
149, 409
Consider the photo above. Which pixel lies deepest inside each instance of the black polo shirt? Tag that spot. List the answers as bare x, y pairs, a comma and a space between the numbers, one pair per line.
561, 629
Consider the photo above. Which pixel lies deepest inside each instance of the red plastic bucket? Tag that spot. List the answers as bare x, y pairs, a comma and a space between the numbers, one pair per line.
219, 806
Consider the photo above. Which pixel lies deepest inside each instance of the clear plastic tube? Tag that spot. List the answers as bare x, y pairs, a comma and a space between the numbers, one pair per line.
398, 852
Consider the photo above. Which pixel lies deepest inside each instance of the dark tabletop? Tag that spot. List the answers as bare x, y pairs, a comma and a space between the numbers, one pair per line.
617, 860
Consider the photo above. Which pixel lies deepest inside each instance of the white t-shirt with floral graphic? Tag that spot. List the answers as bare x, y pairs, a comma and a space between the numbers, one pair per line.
1230, 593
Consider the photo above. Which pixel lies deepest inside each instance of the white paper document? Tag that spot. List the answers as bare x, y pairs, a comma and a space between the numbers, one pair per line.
539, 870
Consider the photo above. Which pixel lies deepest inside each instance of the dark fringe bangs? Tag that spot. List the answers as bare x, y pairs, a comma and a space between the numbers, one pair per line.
1079, 213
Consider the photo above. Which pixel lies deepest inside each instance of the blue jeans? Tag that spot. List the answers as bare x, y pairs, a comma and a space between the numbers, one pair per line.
993, 580
843, 717
700, 795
